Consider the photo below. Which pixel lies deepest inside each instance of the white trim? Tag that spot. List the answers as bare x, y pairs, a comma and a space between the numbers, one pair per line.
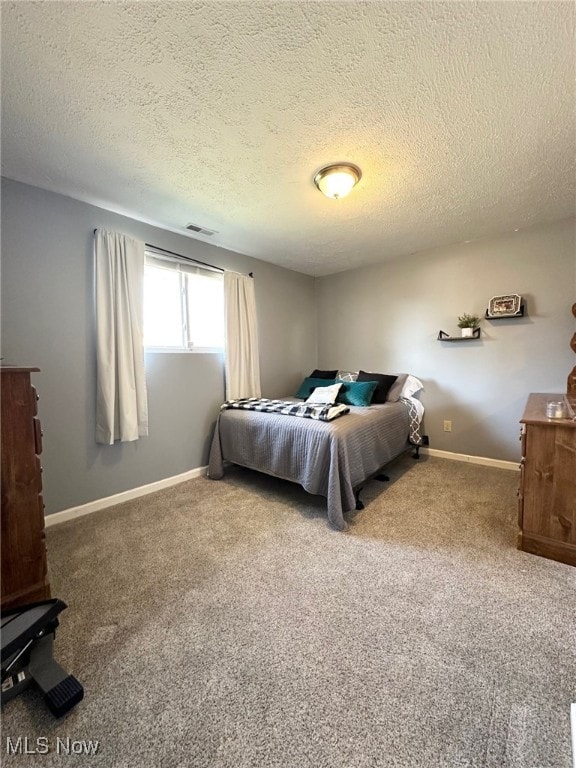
144, 490
118, 498
500, 463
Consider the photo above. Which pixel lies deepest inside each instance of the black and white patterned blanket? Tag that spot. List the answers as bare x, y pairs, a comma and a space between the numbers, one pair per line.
288, 408
415, 419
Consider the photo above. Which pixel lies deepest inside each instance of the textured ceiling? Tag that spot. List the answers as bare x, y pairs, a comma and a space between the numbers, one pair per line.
460, 115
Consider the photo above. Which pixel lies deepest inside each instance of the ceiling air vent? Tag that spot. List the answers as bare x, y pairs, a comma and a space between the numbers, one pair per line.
200, 230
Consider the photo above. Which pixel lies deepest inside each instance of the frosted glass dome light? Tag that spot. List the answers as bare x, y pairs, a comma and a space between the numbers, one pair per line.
337, 181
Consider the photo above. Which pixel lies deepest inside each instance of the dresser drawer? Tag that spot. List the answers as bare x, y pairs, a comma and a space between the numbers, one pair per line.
39, 473
37, 437
522, 439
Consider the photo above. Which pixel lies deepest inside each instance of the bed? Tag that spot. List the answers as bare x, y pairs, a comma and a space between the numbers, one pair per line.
329, 458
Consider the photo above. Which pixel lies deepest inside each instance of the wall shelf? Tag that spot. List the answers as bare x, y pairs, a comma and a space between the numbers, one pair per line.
443, 336
520, 313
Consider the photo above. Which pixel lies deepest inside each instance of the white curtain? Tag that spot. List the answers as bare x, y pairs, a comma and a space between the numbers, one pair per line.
121, 399
242, 359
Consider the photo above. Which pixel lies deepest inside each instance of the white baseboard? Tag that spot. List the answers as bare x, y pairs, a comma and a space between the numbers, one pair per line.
499, 463
118, 498
144, 490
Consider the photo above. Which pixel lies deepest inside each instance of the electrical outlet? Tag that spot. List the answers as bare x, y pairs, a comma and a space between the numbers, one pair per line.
447, 426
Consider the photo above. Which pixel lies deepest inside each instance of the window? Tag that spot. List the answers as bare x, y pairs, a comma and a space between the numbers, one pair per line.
183, 306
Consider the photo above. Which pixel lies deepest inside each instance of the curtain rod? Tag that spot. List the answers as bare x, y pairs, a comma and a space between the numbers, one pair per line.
186, 258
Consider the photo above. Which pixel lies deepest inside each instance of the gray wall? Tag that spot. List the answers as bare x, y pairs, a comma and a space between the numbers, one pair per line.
386, 318
47, 321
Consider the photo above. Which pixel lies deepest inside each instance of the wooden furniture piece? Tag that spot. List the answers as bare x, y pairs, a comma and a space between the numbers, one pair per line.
24, 565
547, 493
571, 381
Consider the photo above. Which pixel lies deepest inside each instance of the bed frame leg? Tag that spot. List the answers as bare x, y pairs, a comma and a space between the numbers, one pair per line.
357, 491
425, 441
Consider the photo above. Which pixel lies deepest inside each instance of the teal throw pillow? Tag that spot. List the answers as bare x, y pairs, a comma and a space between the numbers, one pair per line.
309, 384
356, 392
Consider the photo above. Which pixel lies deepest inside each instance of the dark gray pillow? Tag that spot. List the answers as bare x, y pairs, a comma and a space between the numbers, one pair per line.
383, 381
317, 374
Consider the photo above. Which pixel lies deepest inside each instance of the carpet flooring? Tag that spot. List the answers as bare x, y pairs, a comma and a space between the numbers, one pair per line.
223, 624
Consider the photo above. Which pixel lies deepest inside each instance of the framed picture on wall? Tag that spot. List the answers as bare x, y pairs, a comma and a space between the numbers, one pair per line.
504, 305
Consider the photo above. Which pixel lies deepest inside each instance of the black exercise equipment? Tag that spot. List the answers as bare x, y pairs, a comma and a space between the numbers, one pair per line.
27, 638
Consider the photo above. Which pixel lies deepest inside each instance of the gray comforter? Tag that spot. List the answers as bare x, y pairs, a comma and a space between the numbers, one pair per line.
326, 458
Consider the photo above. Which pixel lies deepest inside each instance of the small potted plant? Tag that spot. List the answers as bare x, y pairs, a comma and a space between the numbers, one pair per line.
467, 323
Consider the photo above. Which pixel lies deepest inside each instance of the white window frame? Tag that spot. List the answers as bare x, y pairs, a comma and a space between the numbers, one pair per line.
173, 264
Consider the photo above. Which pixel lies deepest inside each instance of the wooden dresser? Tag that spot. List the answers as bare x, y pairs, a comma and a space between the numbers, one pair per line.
547, 493
24, 566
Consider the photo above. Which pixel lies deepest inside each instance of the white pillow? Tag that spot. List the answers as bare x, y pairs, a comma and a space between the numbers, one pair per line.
411, 386
324, 395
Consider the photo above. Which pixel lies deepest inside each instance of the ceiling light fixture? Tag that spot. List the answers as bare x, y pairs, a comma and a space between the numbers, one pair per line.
337, 180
